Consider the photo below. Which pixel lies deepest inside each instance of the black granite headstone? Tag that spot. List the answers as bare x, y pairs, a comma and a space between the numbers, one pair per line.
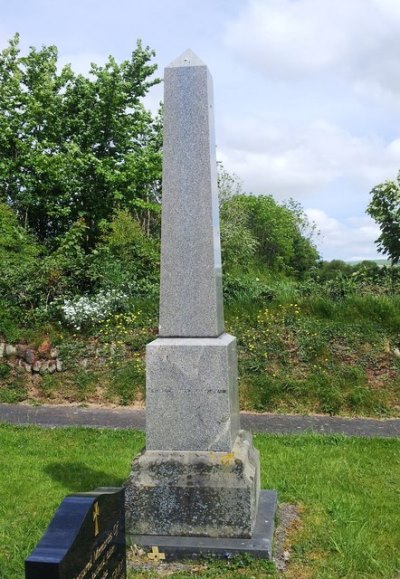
85, 539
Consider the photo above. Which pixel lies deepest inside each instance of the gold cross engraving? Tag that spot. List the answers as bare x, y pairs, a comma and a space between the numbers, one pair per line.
96, 515
155, 555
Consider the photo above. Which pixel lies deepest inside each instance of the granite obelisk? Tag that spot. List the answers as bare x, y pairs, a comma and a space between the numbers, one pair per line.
199, 473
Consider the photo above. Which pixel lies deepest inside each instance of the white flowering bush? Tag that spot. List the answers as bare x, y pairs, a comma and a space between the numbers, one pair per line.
87, 311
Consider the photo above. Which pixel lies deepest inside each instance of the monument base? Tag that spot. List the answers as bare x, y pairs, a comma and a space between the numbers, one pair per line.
194, 493
258, 546
192, 399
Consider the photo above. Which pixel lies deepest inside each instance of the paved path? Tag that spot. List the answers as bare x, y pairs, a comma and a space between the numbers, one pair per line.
52, 416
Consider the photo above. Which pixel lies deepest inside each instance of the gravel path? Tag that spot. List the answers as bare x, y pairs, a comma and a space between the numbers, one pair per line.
52, 416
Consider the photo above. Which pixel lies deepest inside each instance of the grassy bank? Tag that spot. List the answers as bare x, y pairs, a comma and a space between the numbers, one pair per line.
299, 351
315, 354
346, 491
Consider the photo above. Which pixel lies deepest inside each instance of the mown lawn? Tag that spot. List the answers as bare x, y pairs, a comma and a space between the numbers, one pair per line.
347, 491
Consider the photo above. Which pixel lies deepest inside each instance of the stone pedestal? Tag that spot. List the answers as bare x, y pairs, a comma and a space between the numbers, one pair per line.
204, 493
199, 474
191, 394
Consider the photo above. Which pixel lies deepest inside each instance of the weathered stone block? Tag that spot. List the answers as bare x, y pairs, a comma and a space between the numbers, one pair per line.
30, 356
212, 494
10, 350
192, 394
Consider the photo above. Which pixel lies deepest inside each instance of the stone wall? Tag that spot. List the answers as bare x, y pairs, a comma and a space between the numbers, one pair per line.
42, 360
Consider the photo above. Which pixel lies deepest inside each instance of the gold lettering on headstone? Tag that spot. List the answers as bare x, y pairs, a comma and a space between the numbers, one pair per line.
84, 571
98, 552
96, 515
119, 571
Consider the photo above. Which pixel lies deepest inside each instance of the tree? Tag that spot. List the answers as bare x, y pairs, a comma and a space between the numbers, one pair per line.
384, 208
258, 230
75, 147
18, 259
334, 269
229, 184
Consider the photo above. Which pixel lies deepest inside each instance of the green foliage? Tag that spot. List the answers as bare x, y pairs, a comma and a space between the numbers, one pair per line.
65, 271
127, 382
238, 242
329, 270
126, 259
4, 370
229, 185
31, 277
246, 287
260, 231
74, 147
315, 354
15, 243
80, 168
384, 208
18, 260
336, 279
12, 391
10, 322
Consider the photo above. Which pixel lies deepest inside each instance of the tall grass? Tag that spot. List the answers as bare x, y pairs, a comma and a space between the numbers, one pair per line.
313, 353
303, 347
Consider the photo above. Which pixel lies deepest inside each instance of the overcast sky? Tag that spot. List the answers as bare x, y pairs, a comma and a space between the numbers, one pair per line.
307, 92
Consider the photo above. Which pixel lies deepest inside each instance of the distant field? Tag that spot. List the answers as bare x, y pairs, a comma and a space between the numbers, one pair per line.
378, 261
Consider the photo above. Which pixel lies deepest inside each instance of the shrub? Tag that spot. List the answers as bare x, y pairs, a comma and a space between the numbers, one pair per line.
127, 259
258, 230
19, 254
242, 287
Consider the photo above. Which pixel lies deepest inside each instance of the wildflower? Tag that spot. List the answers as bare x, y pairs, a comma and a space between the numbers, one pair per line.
87, 310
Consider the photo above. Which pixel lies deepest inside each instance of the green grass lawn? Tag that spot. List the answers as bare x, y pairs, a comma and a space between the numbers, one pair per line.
348, 491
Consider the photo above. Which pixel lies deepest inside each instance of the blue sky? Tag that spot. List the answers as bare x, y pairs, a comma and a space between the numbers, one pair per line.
307, 92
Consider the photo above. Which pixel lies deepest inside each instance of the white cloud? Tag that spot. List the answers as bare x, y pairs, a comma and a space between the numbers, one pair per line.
154, 97
81, 62
299, 161
358, 39
351, 240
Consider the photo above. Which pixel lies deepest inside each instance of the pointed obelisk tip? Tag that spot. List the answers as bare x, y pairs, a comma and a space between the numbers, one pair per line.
187, 58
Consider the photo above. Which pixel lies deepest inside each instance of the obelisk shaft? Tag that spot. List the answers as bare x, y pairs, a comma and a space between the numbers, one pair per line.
191, 278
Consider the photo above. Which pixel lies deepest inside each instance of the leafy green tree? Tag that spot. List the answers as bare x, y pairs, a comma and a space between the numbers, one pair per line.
336, 268
238, 243
19, 254
126, 258
229, 184
384, 208
260, 231
75, 147
65, 271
